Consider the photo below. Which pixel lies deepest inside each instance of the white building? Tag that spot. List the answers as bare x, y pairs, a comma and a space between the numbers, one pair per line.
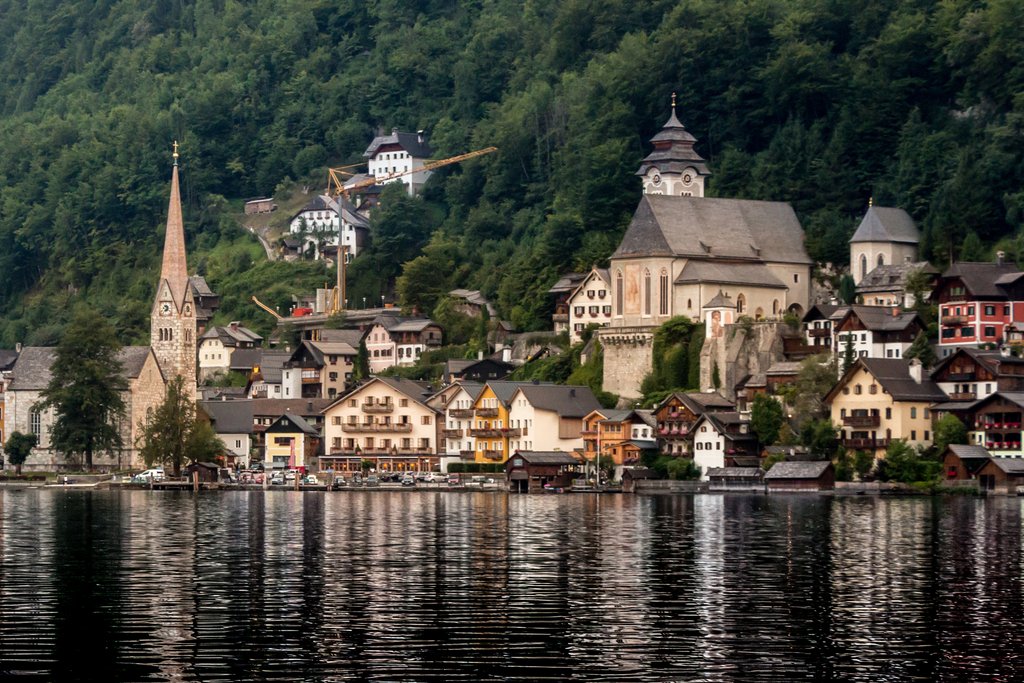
886, 236
549, 417
399, 153
590, 304
875, 331
325, 220
458, 420
218, 344
717, 436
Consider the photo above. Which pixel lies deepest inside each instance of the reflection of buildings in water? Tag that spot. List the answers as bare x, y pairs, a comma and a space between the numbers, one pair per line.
709, 566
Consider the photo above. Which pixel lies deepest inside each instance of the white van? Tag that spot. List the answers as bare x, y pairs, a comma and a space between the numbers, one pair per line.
154, 475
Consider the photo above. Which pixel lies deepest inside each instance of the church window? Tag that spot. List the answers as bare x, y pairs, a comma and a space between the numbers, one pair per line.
663, 293
863, 265
689, 303
759, 313
35, 422
741, 303
647, 292
618, 293
796, 277
881, 260
775, 307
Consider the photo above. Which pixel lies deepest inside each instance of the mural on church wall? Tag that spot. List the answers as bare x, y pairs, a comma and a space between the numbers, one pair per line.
715, 322
632, 290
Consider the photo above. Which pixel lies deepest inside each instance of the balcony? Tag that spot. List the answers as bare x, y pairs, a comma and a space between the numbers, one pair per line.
865, 443
364, 427
511, 432
452, 433
371, 407
861, 420
819, 332
467, 455
310, 377
485, 433
954, 319
560, 318
494, 455
487, 412
461, 413
958, 377
356, 428
963, 396
588, 432
1002, 445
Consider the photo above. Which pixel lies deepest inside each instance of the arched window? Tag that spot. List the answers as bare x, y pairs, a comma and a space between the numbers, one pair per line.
618, 293
647, 292
775, 307
759, 313
663, 293
689, 303
881, 260
741, 303
863, 266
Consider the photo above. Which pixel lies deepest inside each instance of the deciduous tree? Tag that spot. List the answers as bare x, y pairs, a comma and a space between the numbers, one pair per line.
173, 434
766, 418
18, 447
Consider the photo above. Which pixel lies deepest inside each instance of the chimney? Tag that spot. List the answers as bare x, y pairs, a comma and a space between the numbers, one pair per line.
419, 136
916, 370
17, 347
309, 406
1000, 256
233, 325
895, 311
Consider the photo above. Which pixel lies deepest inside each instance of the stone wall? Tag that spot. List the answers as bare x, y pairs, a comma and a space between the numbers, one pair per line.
746, 348
628, 358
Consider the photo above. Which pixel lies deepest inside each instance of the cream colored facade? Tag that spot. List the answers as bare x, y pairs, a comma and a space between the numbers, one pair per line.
869, 418
214, 358
458, 424
541, 430
381, 420
866, 256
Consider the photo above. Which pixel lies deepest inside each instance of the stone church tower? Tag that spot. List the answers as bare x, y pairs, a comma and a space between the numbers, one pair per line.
674, 167
173, 318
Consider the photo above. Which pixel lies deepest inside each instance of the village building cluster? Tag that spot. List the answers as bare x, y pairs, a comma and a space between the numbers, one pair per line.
737, 267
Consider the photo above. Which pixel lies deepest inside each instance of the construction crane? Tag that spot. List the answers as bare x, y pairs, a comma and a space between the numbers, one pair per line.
266, 308
336, 188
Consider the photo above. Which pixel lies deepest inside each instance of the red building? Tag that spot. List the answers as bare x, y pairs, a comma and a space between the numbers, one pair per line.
977, 301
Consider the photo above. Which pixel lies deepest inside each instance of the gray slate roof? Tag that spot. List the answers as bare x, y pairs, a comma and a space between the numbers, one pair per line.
407, 141
969, 451
289, 421
1010, 465
417, 391
566, 401
886, 224
720, 300
881, 319
230, 417
31, 372
567, 283
710, 228
272, 364
757, 274
718, 472
350, 337
980, 278
893, 276
246, 359
7, 358
547, 457
798, 470
894, 376
272, 407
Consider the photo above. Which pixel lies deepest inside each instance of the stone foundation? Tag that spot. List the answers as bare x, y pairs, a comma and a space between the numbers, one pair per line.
746, 348
628, 358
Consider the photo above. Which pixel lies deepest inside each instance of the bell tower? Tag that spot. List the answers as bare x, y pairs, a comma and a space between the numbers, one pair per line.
173, 317
674, 167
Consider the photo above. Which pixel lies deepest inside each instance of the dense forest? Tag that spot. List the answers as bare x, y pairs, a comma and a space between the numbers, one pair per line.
822, 103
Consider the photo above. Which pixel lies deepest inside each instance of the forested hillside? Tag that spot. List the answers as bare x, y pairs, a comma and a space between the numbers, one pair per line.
817, 102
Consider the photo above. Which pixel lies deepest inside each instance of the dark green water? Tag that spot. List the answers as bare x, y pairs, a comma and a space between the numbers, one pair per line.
134, 586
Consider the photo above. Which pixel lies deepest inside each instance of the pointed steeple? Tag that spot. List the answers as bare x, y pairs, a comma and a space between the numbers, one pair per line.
673, 167
175, 269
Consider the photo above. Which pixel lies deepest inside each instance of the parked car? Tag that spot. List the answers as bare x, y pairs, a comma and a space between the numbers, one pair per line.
430, 477
147, 476
454, 480
409, 480
277, 479
311, 480
339, 483
372, 480
357, 479
290, 475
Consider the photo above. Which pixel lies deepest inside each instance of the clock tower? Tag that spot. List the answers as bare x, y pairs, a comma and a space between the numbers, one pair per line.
674, 167
173, 318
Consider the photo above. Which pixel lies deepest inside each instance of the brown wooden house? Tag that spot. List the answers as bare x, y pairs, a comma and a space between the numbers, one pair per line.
677, 414
534, 471
1002, 475
971, 374
736, 479
961, 462
818, 475
998, 423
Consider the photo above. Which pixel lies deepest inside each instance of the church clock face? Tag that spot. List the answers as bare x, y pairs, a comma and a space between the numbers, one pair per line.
188, 309
687, 178
165, 308
656, 179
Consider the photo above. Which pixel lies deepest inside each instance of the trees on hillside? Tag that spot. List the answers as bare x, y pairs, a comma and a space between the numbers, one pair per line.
174, 435
85, 388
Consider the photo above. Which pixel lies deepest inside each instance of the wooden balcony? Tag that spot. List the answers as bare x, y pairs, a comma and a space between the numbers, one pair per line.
820, 332
487, 412
511, 432
461, 413
560, 318
485, 433
452, 433
494, 455
369, 407
865, 444
963, 396
958, 377
861, 420
364, 427
954, 319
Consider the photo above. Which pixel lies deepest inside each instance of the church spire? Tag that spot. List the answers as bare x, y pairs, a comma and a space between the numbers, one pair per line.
673, 167
175, 269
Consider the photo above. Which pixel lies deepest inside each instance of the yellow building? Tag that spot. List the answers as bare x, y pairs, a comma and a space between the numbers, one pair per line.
879, 400
490, 428
291, 443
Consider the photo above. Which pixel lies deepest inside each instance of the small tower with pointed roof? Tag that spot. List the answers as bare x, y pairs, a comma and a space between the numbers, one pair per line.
173, 318
674, 167
718, 313
886, 236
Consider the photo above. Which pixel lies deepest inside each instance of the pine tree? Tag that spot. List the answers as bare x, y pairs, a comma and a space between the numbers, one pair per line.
922, 350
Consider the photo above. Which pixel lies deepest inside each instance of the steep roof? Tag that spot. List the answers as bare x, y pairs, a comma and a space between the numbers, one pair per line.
712, 228
230, 417
703, 401
720, 301
881, 319
893, 276
886, 224
133, 359
200, 286
990, 360
567, 283
790, 469
31, 372
819, 312
272, 365
1009, 465
980, 278
894, 376
673, 149
7, 358
410, 142
504, 390
757, 274
291, 421
174, 268
565, 401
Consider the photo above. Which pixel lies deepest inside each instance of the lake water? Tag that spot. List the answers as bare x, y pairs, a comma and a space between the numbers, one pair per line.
139, 585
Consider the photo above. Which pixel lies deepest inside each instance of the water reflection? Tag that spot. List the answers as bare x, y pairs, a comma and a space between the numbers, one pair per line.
436, 586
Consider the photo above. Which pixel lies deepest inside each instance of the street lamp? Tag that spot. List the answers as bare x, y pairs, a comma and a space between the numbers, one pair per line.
364, 302
382, 301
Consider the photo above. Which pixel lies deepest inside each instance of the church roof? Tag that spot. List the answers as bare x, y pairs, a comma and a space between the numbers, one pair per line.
713, 228
886, 224
673, 149
174, 268
756, 274
32, 371
720, 300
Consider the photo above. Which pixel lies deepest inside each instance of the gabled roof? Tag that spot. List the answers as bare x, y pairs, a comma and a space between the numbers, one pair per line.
230, 417
133, 359
886, 224
990, 360
894, 376
600, 273
712, 228
720, 301
673, 149
565, 401
1009, 465
784, 368
473, 389
246, 359
417, 391
1014, 397
199, 286
31, 372
980, 278
413, 325
410, 142
350, 337
700, 402
292, 422
566, 283
881, 318
727, 425
547, 457
798, 469
272, 364
819, 312
231, 336
272, 407
756, 274
968, 451
7, 358
721, 472
503, 390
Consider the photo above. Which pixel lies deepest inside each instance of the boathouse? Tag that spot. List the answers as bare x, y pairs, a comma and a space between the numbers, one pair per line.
534, 471
736, 479
1001, 475
818, 475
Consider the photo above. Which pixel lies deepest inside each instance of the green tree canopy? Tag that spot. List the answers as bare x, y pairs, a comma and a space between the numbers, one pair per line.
85, 389
173, 435
948, 430
766, 419
18, 447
